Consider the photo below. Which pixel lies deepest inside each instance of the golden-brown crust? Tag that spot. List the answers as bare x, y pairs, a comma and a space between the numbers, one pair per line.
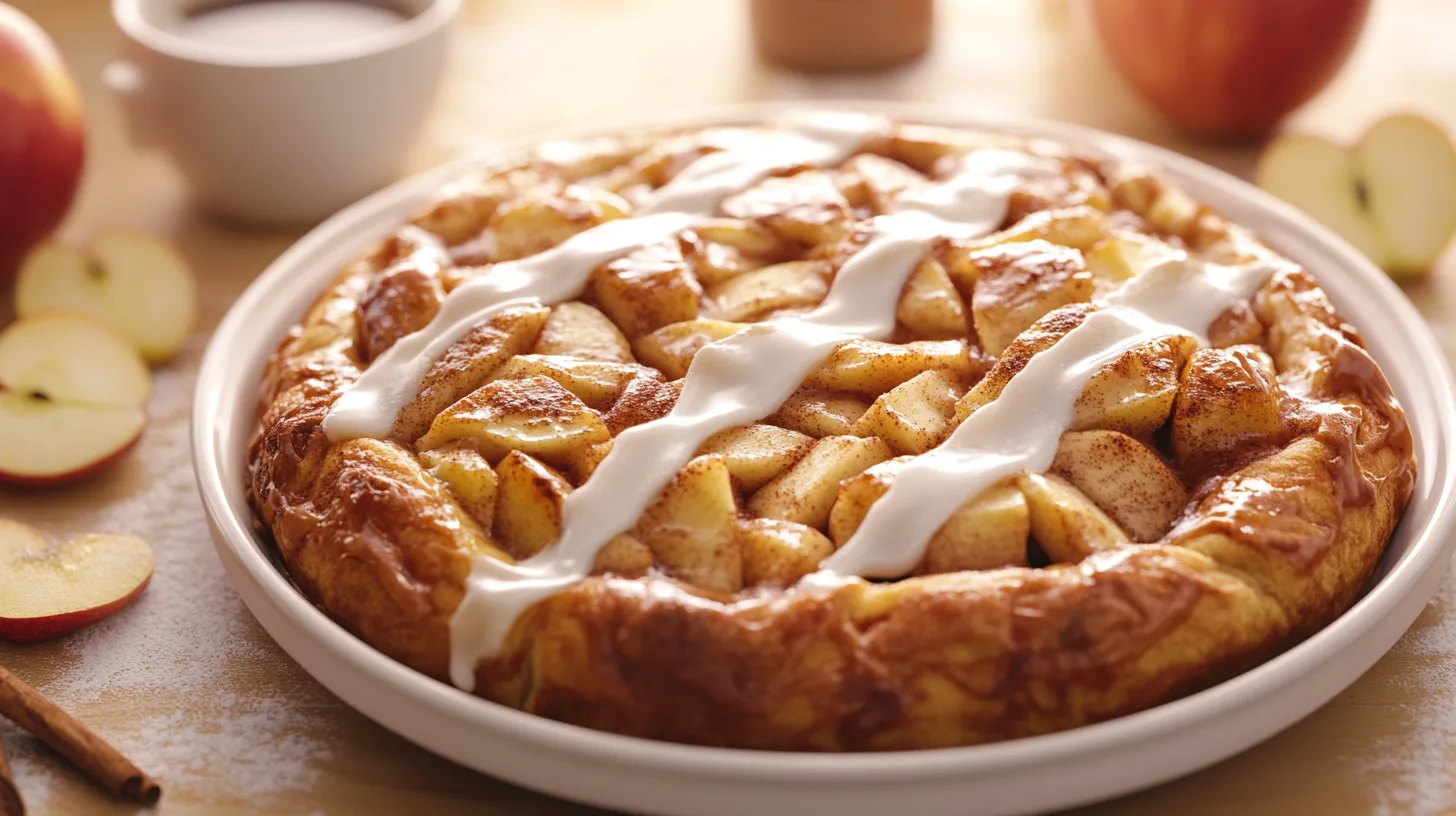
1278, 538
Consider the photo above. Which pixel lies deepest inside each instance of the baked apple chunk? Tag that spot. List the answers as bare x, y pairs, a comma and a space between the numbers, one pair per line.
840, 435
989, 531
534, 415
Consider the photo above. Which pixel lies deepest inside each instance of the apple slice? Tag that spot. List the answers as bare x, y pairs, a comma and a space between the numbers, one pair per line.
1320, 177
48, 591
1408, 165
1393, 196
72, 399
135, 283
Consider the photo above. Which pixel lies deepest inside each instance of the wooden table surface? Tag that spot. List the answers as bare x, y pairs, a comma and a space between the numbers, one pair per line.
191, 687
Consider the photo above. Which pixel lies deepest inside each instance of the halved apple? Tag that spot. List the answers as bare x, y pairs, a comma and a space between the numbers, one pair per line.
134, 283
72, 399
47, 591
1392, 195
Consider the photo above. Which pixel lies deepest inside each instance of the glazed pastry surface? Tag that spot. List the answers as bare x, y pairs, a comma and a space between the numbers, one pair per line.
829, 433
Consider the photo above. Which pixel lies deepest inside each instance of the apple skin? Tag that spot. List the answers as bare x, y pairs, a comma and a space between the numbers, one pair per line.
92, 469
42, 137
1228, 68
35, 630
94, 387
48, 591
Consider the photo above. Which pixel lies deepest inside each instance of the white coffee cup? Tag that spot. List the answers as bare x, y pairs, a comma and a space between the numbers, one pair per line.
279, 136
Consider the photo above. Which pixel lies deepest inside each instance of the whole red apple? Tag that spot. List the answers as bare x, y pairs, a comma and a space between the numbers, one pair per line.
42, 137
1228, 67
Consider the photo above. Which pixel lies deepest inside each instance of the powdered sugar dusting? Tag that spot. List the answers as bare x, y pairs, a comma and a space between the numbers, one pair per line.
33, 773
203, 688
250, 734
1409, 769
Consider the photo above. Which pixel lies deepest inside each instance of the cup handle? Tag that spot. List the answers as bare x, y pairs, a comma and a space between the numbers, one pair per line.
126, 80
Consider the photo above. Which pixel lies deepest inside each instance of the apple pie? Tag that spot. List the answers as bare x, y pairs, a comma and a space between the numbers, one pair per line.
827, 433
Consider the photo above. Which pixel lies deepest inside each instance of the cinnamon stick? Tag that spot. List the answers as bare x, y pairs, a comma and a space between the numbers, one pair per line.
105, 765
10, 802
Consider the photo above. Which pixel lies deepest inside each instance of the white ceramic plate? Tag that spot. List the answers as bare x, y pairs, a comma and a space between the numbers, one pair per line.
1039, 773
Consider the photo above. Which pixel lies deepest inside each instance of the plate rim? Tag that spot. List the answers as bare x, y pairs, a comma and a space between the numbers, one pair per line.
233, 536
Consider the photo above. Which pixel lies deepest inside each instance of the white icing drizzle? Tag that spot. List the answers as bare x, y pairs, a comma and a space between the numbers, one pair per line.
370, 406
749, 375
1020, 429
734, 381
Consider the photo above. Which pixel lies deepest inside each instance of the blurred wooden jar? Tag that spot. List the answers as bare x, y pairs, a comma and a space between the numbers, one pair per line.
841, 35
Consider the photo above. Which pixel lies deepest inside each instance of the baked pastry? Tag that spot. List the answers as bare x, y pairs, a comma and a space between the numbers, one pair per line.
826, 434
